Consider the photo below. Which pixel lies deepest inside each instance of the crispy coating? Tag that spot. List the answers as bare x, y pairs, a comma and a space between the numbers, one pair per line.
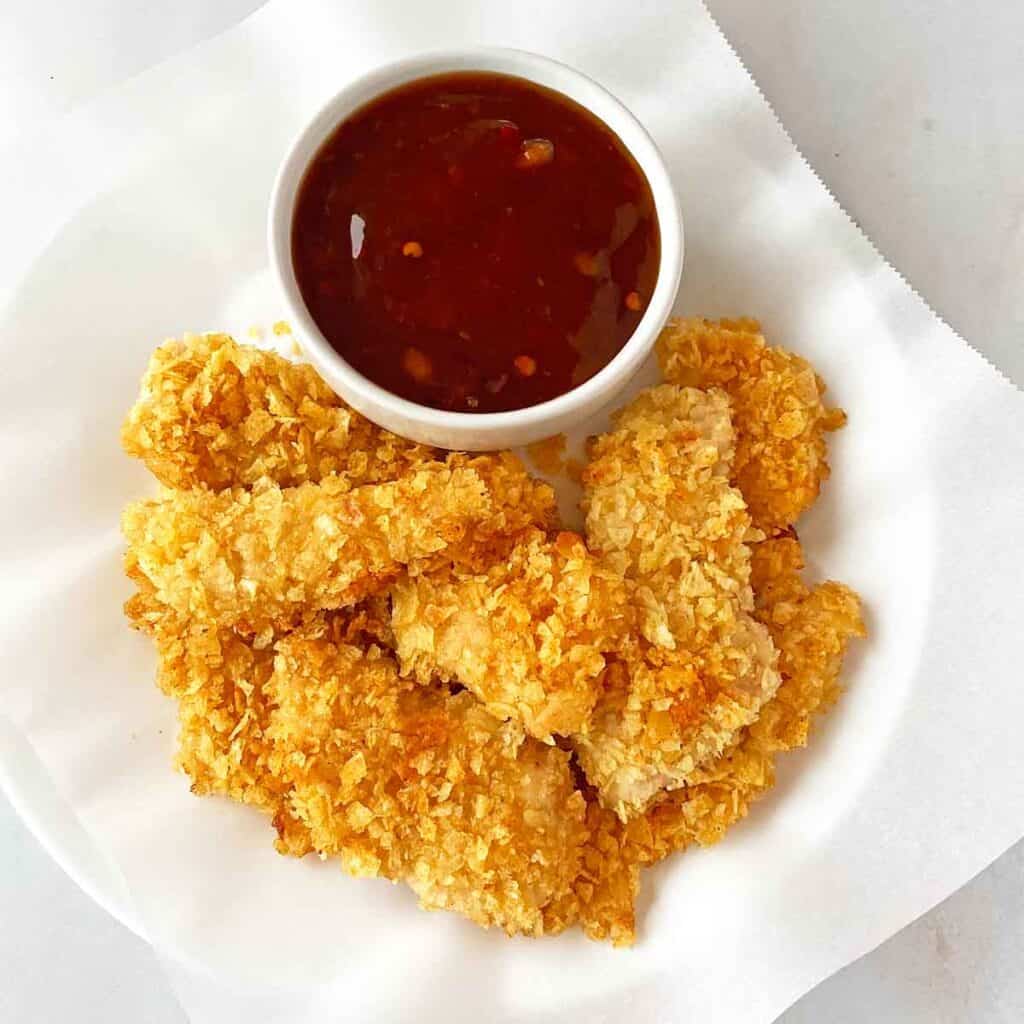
213, 413
219, 680
811, 627
548, 454
602, 897
778, 411
661, 512
411, 783
527, 636
264, 560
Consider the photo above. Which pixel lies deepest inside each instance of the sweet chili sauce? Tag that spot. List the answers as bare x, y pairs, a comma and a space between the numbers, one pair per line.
475, 242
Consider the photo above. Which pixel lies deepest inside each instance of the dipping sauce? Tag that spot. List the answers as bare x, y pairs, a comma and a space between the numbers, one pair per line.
474, 242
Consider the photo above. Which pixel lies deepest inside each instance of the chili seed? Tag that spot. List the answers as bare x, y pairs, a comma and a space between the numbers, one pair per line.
633, 302
526, 365
535, 153
417, 365
413, 249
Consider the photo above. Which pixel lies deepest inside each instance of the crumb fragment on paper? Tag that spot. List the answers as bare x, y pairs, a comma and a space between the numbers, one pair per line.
548, 455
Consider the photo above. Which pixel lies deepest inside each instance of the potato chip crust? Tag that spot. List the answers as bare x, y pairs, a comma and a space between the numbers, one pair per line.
266, 559
213, 413
528, 636
777, 408
661, 512
415, 784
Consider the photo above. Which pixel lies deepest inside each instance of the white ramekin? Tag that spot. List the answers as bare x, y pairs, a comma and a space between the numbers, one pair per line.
477, 431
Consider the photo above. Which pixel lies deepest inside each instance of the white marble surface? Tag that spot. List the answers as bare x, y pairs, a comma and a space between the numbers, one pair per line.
910, 111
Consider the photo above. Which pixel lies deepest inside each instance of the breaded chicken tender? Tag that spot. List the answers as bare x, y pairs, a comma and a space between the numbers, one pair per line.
219, 680
527, 636
411, 783
213, 413
811, 627
661, 512
265, 560
777, 407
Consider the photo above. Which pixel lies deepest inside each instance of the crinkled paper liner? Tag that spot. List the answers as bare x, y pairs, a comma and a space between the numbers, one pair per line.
908, 789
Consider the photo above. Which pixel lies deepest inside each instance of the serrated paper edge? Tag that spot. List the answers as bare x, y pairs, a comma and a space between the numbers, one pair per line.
842, 209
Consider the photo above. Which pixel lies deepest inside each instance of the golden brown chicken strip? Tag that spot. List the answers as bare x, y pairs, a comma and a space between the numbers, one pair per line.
527, 635
219, 680
213, 413
411, 783
811, 627
264, 560
660, 511
777, 407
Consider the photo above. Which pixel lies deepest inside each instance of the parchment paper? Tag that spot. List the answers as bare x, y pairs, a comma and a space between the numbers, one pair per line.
142, 216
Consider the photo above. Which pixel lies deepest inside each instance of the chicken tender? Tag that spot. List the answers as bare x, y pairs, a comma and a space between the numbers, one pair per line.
660, 510
219, 680
265, 560
527, 636
213, 413
777, 407
411, 783
812, 628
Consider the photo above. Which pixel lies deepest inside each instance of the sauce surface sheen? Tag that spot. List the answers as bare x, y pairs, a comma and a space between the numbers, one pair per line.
474, 242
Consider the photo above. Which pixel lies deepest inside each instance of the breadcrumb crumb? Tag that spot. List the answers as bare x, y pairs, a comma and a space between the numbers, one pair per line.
548, 455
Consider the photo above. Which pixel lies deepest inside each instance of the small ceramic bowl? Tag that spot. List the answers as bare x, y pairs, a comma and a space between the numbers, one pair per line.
477, 431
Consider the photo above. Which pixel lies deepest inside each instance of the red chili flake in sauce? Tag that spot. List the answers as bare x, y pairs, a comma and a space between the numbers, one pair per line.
475, 242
